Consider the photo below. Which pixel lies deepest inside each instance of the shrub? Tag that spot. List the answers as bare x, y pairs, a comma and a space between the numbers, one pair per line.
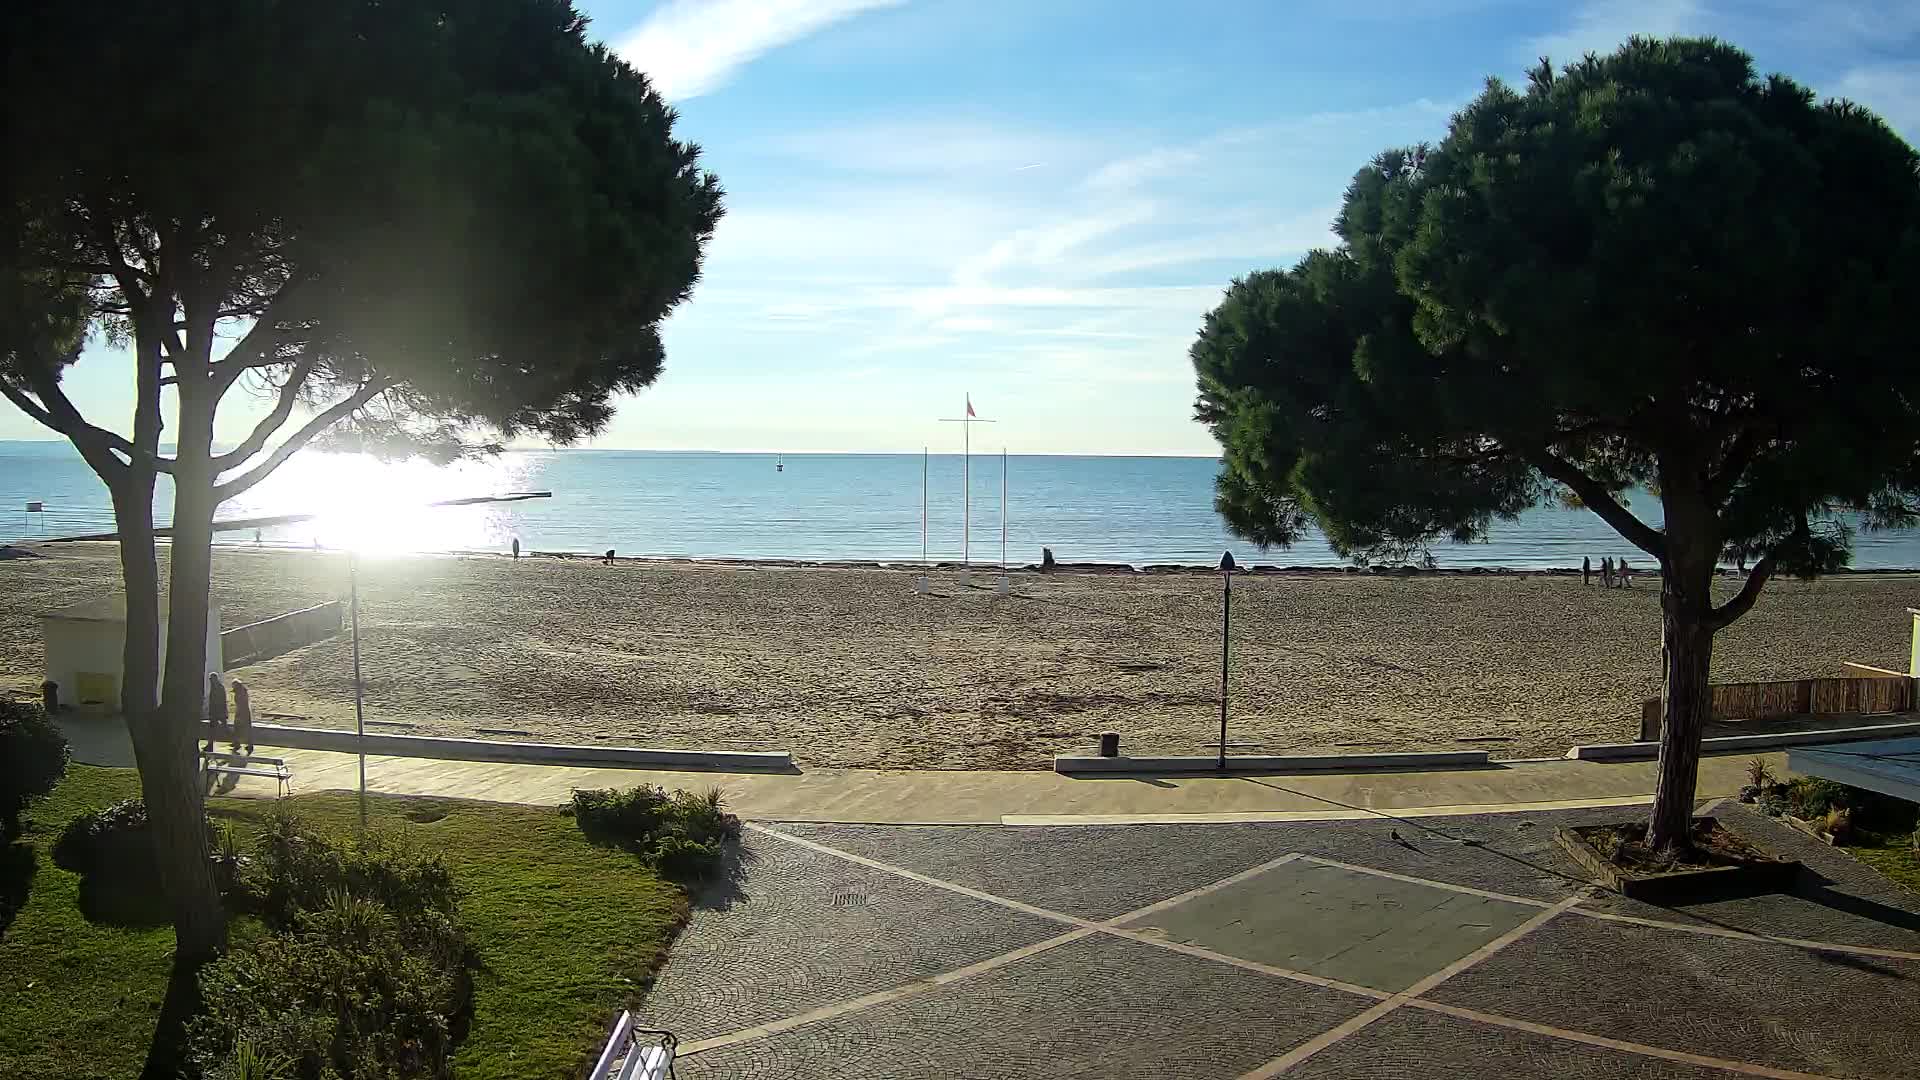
296, 869
115, 838
1759, 774
367, 975
1836, 822
352, 991
33, 758
681, 834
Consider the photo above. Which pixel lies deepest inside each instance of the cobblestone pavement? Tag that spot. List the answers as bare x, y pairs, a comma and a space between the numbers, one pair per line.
1434, 947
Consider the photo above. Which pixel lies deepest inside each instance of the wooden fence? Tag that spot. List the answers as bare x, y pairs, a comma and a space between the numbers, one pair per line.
1795, 697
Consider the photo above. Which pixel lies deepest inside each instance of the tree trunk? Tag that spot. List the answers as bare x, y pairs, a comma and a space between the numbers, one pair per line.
200, 921
1686, 650
169, 778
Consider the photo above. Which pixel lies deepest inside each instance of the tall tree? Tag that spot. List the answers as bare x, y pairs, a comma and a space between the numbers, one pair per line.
416, 224
1652, 268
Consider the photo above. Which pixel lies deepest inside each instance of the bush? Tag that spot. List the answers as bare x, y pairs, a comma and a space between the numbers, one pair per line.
296, 869
33, 758
680, 834
353, 991
367, 975
114, 839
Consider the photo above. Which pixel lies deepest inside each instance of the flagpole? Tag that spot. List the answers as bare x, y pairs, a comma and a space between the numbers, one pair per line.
924, 565
1003, 511
966, 421
966, 493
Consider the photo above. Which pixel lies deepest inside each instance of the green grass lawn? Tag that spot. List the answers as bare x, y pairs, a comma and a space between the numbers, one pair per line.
567, 932
1895, 859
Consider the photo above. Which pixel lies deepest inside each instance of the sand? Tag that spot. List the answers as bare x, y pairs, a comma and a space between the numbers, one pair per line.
848, 667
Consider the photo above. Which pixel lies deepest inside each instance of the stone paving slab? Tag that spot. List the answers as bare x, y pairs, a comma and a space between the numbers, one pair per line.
790, 941
804, 930
1094, 872
1340, 924
1793, 1008
1411, 1043
1099, 1008
1099, 871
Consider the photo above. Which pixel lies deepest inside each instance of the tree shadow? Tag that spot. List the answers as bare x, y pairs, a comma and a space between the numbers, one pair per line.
18, 863
723, 888
119, 885
1819, 889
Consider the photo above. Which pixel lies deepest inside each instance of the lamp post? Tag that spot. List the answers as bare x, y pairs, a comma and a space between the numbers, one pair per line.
1226, 637
359, 710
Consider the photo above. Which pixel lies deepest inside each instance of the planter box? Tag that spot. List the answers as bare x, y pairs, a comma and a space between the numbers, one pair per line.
1768, 873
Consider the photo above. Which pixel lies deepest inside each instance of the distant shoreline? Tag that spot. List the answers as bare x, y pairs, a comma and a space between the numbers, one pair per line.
1648, 570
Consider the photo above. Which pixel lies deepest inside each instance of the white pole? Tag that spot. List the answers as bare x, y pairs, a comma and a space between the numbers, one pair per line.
1003, 510
966, 492
924, 564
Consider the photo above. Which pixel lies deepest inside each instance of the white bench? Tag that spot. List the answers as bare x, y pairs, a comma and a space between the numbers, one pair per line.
635, 1053
273, 768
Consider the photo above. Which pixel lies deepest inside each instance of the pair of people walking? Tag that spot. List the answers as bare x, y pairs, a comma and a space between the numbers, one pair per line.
1611, 576
240, 731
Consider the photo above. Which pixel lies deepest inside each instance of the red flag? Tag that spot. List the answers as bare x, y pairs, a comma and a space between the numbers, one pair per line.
969, 404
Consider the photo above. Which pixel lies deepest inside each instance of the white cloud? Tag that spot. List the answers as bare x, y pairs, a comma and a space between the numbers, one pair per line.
1892, 90
1600, 27
691, 47
930, 146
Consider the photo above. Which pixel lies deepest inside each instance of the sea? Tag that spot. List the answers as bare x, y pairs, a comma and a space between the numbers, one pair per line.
1128, 510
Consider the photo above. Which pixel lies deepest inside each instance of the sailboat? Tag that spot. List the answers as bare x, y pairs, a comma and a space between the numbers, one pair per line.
779, 463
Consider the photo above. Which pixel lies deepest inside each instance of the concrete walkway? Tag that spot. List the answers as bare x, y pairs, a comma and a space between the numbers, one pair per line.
1440, 947
1014, 798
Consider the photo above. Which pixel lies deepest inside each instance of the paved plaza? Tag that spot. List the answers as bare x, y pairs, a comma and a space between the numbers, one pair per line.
1391, 947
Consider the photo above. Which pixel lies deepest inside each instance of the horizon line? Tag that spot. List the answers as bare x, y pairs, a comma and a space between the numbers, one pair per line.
756, 452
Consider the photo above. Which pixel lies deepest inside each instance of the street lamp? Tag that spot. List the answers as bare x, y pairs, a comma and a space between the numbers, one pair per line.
1226, 631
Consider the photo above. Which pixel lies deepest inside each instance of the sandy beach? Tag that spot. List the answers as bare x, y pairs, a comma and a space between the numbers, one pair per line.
848, 667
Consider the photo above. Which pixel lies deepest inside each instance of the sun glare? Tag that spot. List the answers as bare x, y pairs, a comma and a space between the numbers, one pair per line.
362, 504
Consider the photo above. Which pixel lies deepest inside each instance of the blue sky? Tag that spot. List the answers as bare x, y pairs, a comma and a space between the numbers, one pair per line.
1037, 201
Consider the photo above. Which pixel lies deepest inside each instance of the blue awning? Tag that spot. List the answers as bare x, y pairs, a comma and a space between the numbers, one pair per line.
1888, 766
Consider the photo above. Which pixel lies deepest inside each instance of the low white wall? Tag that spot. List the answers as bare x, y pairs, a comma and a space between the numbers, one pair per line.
1272, 763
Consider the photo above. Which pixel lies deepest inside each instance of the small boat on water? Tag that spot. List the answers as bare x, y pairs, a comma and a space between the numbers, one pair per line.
779, 463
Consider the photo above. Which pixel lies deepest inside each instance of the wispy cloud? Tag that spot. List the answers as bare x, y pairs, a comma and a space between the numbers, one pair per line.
691, 47
928, 145
1600, 27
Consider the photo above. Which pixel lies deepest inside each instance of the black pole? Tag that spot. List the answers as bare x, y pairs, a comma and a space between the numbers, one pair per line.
359, 714
1226, 638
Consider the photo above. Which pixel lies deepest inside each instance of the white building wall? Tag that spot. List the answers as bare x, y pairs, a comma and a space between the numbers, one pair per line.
76, 646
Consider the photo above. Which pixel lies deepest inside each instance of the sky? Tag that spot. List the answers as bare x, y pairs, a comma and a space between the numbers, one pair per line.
1036, 202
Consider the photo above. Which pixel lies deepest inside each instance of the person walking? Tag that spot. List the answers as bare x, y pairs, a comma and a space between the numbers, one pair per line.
216, 708
242, 716
516, 548
1606, 572
609, 557
1626, 575
1586, 570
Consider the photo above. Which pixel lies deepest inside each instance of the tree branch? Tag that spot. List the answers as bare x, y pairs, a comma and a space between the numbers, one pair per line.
272, 422
252, 349
298, 439
1739, 454
1742, 601
1601, 501
56, 413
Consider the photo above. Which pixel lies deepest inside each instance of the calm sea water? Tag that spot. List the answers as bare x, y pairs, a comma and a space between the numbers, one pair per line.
820, 506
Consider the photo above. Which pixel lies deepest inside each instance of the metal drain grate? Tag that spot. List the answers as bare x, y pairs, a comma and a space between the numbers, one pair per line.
849, 898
